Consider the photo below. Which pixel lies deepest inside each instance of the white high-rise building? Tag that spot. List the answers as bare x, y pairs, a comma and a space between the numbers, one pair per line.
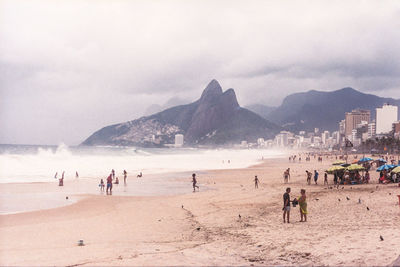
178, 140
385, 117
325, 136
371, 130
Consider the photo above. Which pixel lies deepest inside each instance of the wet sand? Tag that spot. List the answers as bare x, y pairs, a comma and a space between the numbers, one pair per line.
207, 230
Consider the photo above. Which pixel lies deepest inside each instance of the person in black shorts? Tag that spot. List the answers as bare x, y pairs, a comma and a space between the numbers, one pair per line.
286, 205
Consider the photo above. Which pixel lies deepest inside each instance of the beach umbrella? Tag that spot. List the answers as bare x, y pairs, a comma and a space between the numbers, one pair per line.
355, 167
385, 167
338, 162
334, 169
365, 160
396, 170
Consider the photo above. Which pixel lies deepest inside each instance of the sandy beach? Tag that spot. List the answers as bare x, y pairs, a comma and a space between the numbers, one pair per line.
204, 228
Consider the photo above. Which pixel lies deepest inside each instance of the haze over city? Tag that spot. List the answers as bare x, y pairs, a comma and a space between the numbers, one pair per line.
69, 68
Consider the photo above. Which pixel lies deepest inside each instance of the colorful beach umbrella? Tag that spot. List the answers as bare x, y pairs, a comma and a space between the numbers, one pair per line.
334, 169
355, 167
396, 170
339, 162
385, 167
365, 160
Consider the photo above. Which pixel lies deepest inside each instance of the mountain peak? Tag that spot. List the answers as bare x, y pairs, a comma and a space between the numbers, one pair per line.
212, 90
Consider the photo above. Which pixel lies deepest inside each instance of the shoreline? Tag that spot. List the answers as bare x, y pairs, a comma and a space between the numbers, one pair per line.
203, 228
84, 186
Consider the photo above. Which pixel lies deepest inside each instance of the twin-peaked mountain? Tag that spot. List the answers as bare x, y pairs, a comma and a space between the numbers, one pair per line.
215, 119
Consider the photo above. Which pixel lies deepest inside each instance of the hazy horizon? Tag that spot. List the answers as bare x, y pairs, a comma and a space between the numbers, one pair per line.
69, 68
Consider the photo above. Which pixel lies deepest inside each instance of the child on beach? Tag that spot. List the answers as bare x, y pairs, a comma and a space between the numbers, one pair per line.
101, 185
256, 182
303, 205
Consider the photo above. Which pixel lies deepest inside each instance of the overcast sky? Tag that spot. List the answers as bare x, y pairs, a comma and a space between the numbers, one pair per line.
68, 68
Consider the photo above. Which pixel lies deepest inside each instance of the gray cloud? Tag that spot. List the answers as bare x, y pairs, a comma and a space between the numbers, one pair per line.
68, 68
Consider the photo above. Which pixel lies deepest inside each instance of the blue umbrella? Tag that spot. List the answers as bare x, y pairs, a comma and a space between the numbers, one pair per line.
365, 160
385, 167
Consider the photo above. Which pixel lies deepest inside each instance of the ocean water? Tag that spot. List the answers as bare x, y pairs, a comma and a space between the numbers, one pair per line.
31, 163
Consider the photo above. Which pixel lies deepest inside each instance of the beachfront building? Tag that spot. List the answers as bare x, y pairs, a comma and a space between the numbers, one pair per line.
282, 139
260, 142
371, 130
336, 137
385, 117
352, 119
396, 129
178, 140
325, 136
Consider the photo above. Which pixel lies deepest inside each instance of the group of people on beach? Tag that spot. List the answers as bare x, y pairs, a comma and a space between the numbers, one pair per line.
316, 175
301, 201
111, 179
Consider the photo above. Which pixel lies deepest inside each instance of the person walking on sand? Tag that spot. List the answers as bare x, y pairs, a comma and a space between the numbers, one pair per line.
125, 175
285, 177
286, 205
308, 177
76, 174
256, 182
303, 205
55, 176
288, 173
194, 181
113, 173
109, 184
326, 178
316, 177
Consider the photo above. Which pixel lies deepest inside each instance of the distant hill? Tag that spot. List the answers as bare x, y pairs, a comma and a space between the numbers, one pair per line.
215, 119
260, 109
155, 108
324, 110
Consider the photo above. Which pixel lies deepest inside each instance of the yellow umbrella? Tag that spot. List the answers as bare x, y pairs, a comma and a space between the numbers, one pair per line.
355, 167
334, 169
339, 162
396, 170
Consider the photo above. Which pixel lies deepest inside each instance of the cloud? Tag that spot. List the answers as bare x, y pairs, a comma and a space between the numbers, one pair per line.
80, 65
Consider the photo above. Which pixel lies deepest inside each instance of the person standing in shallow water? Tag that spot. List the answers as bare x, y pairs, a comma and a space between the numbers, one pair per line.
194, 182
109, 184
286, 205
125, 175
256, 182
